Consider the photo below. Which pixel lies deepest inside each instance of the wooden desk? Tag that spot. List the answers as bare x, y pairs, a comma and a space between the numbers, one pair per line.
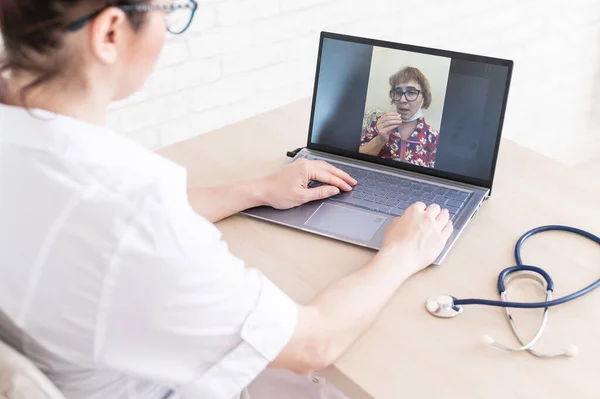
408, 353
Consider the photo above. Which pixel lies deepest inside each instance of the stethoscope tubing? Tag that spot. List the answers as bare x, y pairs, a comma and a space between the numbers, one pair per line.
521, 267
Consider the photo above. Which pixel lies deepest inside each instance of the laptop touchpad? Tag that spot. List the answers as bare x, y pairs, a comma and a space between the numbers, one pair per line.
345, 222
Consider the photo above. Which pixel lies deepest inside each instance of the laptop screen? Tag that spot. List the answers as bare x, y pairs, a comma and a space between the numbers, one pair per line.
430, 111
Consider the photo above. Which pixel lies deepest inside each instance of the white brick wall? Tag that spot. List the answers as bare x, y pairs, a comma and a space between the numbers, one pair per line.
244, 57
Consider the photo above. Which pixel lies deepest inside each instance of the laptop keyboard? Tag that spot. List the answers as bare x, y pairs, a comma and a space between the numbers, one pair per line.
392, 194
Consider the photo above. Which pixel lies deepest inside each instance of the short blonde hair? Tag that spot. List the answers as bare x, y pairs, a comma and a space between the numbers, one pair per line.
406, 74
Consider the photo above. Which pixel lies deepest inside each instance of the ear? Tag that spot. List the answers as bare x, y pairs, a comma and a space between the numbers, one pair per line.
107, 31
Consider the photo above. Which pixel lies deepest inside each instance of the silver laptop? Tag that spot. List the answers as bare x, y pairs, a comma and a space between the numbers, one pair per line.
410, 124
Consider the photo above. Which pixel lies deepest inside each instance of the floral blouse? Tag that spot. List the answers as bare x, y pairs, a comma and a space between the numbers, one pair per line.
420, 148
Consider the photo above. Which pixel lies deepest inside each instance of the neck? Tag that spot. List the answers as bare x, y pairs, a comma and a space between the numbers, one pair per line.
59, 99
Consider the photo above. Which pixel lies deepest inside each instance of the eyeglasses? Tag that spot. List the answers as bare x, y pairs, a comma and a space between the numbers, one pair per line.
410, 94
179, 15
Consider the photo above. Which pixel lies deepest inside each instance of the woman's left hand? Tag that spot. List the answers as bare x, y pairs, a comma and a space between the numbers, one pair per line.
288, 187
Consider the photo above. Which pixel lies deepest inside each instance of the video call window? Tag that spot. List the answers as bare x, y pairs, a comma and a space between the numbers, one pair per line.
437, 113
404, 106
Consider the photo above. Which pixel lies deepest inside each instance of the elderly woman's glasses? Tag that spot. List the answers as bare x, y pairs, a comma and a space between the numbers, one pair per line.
410, 94
179, 16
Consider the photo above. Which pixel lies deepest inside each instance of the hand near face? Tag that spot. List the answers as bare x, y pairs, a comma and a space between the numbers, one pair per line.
386, 124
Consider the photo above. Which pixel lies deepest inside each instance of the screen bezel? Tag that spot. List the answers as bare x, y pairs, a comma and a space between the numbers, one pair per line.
486, 183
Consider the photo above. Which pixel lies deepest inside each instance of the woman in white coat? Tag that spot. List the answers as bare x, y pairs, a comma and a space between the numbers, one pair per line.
111, 269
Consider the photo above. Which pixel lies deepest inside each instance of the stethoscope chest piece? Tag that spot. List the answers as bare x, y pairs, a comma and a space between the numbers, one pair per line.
442, 306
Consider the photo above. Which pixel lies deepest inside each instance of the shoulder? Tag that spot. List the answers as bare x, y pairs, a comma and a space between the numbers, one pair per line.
141, 216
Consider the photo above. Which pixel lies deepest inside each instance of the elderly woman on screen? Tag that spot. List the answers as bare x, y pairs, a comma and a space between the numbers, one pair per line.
404, 135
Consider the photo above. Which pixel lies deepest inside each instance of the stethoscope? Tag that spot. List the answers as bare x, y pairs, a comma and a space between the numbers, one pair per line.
447, 306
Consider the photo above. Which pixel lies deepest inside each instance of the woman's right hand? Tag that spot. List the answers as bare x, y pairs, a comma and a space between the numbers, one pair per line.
415, 239
386, 124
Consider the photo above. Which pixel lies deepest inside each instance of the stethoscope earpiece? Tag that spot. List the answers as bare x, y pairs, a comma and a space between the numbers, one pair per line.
572, 350
487, 340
